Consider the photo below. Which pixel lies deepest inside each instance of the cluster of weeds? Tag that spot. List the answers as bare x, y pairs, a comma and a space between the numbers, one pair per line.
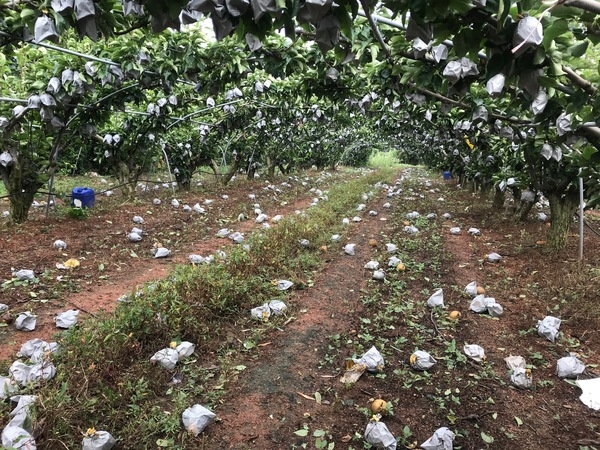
397, 321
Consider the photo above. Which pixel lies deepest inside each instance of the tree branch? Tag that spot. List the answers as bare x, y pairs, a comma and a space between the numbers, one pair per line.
375, 30
577, 80
587, 5
467, 106
137, 26
592, 134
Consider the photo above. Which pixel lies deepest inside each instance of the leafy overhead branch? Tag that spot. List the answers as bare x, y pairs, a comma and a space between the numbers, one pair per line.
467, 106
142, 24
375, 29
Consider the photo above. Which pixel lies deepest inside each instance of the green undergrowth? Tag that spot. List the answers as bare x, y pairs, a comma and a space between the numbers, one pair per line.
104, 377
397, 321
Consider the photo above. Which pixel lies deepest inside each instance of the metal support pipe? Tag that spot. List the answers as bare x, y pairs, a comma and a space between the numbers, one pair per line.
74, 53
12, 100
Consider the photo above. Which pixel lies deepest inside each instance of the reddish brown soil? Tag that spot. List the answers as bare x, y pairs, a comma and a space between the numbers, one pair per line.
100, 241
264, 407
267, 403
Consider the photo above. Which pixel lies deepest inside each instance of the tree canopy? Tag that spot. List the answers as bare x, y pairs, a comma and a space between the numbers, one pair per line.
495, 90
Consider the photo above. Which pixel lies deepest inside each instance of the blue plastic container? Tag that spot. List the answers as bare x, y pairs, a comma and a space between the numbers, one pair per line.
83, 197
447, 175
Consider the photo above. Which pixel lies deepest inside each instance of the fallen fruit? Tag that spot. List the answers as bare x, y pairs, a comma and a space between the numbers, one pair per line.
379, 406
71, 263
480, 290
372, 243
323, 248
401, 267
406, 223
454, 315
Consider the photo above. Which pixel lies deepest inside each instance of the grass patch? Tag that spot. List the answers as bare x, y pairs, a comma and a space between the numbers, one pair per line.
379, 159
104, 375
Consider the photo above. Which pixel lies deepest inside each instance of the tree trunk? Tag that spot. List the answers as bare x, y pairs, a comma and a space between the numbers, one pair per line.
184, 184
498, 198
21, 179
233, 168
484, 189
215, 168
516, 195
284, 169
271, 164
124, 177
523, 210
20, 204
562, 208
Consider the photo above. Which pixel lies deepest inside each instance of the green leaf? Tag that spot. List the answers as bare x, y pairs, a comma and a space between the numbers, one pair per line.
578, 49
345, 21
519, 421
319, 433
320, 443
354, 7
303, 432
461, 43
27, 14
461, 6
38, 85
318, 397
555, 29
240, 367
487, 438
503, 11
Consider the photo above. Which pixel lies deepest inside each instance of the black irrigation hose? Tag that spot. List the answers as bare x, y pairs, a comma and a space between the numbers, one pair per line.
590, 227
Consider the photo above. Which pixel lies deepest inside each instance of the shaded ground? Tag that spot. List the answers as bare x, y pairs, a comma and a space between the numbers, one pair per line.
344, 313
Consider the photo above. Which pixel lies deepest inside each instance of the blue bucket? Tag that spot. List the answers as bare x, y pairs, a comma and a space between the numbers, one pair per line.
447, 175
83, 197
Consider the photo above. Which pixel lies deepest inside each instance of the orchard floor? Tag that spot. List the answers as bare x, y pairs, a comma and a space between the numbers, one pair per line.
272, 404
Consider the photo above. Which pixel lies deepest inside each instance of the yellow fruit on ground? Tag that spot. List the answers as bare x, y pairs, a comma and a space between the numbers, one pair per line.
71, 263
406, 223
323, 248
401, 267
372, 243
379, 406
413, 359
480, 290
454, 315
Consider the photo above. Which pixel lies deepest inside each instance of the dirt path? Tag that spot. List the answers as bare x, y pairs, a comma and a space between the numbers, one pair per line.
265, 407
